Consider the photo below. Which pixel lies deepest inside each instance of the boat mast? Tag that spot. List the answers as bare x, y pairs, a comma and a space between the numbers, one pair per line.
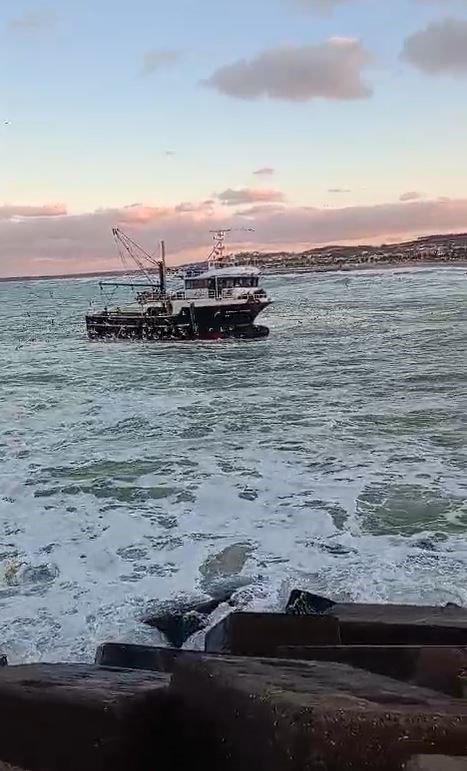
162, 268
217, 254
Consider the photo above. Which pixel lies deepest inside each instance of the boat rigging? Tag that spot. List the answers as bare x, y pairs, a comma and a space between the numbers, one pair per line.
218, 301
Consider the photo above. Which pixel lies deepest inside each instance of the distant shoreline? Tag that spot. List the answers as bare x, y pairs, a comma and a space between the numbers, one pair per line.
276, 271
352, 267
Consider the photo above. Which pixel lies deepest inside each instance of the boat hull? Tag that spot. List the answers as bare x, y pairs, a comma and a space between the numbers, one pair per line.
200, 323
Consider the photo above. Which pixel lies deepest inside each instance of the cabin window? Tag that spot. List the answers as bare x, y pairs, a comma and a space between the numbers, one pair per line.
200, 283
229, 282
238, 281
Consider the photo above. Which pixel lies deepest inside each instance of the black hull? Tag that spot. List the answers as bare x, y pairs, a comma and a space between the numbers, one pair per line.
201, 323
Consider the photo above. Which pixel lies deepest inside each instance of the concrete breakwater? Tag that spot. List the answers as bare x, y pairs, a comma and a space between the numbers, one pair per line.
321, 687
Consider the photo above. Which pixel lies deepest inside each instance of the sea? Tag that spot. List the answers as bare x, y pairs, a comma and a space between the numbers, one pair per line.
331, 456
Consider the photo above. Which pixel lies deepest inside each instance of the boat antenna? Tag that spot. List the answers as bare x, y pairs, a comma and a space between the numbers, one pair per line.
217, 252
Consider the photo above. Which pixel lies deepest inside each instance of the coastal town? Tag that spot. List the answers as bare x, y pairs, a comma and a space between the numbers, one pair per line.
449, 248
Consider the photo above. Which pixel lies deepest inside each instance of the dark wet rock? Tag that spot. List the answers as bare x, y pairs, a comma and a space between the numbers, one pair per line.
284, 716
85, 718
436, 763
303, 603
365, 624
127, 656
179, 619
437, 667
178, 627
262, 634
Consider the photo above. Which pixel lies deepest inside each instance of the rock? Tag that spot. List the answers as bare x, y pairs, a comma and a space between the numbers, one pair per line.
177, 620
362, 624
302, 603
228, 562
438, 668
126, 656
436, 763
7, 767
74, 717
441, 669
284, 716
178, 627
261, 634
401, 625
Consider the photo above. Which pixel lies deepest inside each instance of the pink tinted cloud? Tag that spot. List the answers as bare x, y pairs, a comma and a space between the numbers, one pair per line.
139, 214
8, 211
244, 195
254, 211
54, 244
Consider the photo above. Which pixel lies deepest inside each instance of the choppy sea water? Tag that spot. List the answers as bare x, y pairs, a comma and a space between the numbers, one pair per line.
332, 455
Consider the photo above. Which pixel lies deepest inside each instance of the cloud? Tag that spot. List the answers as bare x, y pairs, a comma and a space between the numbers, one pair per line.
260, 209
54, 244
8, 212
412, 195
439, 48
158, 59
33, 20
141, 214
231, 197
265, 171
329, 70
338, 190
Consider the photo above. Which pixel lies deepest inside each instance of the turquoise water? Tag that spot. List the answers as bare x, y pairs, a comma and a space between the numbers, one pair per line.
334, 452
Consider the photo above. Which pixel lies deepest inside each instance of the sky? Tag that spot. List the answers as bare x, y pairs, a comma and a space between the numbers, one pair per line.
309, 121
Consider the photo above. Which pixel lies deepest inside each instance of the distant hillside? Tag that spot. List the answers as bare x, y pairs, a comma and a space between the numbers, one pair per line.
450, 247
428, 249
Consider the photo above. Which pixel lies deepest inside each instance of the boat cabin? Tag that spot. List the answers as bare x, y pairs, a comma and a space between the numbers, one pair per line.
234, 281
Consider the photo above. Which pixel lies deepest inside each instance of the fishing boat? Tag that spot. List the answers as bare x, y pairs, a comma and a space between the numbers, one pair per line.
219, 300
